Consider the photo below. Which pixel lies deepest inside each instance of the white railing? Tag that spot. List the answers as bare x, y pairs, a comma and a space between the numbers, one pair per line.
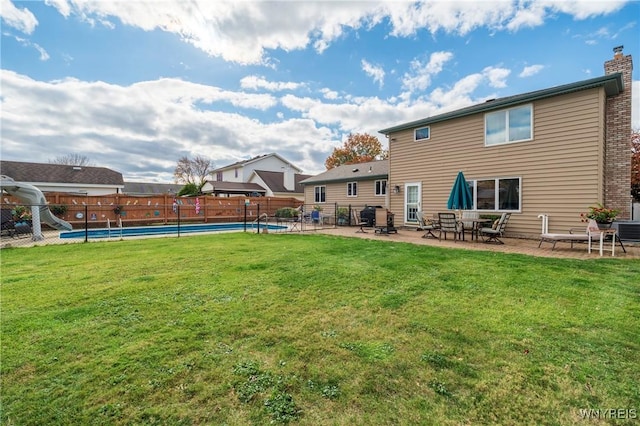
545, 222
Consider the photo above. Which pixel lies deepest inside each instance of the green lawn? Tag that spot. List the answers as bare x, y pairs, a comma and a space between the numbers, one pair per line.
310, 329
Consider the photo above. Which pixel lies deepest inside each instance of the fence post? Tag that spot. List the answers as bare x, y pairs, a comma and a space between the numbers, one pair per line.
178, 220
86, 223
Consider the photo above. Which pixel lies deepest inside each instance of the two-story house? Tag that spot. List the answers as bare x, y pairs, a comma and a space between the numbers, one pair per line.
551, 152
267, 175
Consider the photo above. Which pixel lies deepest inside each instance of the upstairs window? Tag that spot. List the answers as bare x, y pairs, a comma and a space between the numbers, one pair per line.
422, 133
509, 125
352, 189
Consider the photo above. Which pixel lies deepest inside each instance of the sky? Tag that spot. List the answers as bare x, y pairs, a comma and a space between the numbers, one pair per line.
136, 85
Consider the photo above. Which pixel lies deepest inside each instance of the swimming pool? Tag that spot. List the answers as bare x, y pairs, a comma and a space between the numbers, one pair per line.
137, 231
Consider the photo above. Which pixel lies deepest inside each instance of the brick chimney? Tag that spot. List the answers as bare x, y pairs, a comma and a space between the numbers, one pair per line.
617, 173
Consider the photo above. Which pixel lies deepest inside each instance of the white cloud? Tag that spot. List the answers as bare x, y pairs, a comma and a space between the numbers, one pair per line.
496, 76
375, 72
20, 19
246, 31
420, 76
255, 82
329, 94
530, 70
147, 125
44, 56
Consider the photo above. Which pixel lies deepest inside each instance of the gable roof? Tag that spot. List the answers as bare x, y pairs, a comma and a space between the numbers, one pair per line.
60, 173
275, 181
352, 172
150, 188
235, 187
612, 84
243, 163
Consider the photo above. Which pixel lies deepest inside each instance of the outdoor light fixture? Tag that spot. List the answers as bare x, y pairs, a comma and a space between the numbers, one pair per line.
396, 189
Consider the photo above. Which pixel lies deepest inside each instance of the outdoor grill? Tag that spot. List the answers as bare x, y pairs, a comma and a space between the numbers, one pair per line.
368, 215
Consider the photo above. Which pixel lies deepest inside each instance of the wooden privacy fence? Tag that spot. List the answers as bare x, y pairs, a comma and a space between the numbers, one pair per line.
156, 209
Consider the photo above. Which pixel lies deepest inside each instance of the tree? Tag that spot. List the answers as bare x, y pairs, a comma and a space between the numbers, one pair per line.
193, 171
358, 148
635, 165
72, 160
189, 190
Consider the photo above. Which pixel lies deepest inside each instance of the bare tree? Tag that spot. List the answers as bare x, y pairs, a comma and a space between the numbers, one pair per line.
72, 160
193, 171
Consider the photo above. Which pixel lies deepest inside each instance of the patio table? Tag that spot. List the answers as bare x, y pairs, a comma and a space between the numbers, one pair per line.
476, 225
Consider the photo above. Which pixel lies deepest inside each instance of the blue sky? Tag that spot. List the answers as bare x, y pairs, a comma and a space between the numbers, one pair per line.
136, 85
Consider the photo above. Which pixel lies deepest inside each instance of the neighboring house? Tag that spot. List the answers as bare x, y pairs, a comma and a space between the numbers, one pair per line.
241, 171
63, 178
358, 185
233, 189
276, 183
269, 175
554, 151
151, 188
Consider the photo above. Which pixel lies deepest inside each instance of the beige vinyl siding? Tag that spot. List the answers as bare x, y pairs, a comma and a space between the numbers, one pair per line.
337, 193
560, 168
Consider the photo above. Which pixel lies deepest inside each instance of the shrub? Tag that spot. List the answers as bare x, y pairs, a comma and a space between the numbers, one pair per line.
287, 212
58, 209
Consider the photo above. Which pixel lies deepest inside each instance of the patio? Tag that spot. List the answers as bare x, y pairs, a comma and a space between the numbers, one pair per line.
511, 245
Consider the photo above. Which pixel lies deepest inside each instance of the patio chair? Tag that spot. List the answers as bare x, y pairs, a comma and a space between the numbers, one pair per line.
358, 222
576, 235
8, 225
467, 219
494, 233
427, 225
449, 223
384, 222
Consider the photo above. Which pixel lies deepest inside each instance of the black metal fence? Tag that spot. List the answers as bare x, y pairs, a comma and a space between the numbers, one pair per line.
27, 225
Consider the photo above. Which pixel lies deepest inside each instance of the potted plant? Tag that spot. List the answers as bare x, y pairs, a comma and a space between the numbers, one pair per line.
602, 215
21, 214
343, 216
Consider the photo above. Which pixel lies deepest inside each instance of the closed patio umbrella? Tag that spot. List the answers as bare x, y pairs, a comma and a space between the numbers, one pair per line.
460, 197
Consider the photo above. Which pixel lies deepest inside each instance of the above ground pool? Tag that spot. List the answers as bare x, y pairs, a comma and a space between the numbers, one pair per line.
136, 231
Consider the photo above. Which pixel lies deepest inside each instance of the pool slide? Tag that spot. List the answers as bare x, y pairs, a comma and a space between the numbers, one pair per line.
32, 196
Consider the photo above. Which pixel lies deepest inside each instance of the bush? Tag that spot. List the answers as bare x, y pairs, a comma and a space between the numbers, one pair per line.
188, 190
58, 209
287, 212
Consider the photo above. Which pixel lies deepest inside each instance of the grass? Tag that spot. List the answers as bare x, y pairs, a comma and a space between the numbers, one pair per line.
309, 329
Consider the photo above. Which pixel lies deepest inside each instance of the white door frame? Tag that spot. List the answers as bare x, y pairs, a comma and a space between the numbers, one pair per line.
412, 201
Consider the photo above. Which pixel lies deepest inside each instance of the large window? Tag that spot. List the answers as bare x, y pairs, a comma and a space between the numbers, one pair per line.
352, 189
422, 133
498, 194
320, 194
381, 187
510, 125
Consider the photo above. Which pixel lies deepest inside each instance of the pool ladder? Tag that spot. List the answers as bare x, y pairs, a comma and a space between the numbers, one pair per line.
258, 220
119, 222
